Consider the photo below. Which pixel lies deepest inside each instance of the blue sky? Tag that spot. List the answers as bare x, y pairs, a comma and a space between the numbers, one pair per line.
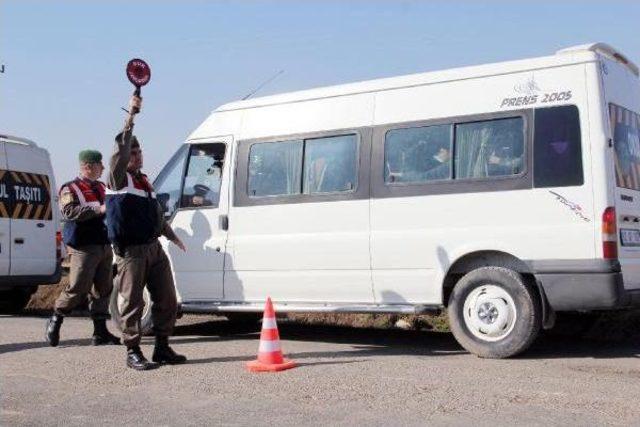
64, 81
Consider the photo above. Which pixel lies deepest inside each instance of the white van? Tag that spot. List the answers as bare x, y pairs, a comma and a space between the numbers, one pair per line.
503, 192
30, 242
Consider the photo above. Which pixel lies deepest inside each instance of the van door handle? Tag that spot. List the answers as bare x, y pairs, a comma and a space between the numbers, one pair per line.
19, 240
223, 222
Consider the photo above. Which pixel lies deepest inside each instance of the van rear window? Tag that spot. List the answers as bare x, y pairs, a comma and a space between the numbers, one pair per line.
625, 125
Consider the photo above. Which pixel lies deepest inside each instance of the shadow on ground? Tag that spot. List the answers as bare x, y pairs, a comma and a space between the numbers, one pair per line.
362, 342
391, 342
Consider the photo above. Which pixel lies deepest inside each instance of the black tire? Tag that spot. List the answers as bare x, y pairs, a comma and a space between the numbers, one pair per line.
15, 300
488, 284
146, 322
243, 318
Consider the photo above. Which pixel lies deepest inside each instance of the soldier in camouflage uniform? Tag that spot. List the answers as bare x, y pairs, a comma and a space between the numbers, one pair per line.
85, 235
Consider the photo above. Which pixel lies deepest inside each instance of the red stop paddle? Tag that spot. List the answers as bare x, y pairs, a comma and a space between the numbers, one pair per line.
139, 73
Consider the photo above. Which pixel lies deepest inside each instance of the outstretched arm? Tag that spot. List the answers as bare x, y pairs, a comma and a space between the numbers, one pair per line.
168, 232
122, 148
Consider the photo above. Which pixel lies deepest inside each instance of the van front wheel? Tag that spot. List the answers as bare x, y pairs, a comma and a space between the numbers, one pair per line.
493, 313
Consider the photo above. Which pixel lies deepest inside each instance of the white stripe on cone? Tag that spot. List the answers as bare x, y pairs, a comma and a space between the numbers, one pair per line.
269, 346
269, 323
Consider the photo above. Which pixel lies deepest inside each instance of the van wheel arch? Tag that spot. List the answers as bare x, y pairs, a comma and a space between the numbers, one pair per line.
494, 313
474, 260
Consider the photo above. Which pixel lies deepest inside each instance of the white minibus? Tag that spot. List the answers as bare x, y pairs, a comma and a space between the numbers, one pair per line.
503, 193
30, 241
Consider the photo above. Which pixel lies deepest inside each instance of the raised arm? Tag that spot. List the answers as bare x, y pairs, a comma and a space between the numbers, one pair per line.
122, 148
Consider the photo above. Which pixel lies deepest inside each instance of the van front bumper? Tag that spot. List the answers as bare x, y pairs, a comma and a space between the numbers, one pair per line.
13, 282
571, 285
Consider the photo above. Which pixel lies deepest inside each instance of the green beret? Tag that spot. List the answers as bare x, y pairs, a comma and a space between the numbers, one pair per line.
90, 156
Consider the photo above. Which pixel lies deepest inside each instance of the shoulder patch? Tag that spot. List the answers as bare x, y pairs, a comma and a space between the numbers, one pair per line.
66, 197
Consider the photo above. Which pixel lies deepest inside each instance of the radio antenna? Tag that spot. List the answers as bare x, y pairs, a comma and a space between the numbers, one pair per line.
266, 82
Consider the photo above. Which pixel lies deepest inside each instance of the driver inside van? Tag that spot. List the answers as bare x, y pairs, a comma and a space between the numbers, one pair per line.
206, 169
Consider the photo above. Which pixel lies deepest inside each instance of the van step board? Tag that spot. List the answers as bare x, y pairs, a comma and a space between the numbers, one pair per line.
252, 307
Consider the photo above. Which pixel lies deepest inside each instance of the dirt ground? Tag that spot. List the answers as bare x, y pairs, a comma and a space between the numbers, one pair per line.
622, 326
45, 296
42, 303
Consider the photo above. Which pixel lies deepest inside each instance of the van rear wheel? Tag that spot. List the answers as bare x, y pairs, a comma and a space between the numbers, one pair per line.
494, 313
117, 303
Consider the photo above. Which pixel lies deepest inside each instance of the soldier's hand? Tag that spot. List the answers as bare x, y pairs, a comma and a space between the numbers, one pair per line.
135, 105
179, 244
102, 210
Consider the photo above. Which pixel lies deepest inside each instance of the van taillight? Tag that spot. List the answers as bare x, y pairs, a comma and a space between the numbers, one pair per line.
609, 234
58, 245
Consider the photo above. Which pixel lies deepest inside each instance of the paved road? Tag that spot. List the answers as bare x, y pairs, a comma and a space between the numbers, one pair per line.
347, 376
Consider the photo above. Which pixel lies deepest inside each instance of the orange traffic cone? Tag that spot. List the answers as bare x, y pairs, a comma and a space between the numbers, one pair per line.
269, 353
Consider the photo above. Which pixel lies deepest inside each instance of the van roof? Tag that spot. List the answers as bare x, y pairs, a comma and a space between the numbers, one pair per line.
17, 140
571, 55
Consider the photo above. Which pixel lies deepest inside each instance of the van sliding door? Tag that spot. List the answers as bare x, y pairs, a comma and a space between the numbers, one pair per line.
299, 229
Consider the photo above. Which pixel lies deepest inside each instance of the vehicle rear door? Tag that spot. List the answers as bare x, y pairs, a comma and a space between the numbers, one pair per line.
625, 129
29, 183
622, 92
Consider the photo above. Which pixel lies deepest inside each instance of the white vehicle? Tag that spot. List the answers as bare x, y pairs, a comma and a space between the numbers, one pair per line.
503, 192
30, 242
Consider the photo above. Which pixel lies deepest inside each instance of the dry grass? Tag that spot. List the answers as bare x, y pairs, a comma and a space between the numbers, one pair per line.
45, 297
436, 323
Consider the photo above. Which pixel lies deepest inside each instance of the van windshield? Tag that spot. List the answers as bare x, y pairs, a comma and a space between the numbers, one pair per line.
625, 126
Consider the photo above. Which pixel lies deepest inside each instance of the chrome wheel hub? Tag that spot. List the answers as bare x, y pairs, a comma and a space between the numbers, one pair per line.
490, 313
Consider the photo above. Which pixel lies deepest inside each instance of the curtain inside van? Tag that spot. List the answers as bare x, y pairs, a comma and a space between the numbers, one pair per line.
489, 148
471, 150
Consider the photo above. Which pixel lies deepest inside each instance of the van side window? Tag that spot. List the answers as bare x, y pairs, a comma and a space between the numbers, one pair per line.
204, 176
168, 184
275, 168
330, 164
557, 151
414, 155
489, 148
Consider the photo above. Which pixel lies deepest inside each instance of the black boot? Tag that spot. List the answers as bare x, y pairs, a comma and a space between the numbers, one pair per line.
101, 335
162, 353
137, 361
52, 332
